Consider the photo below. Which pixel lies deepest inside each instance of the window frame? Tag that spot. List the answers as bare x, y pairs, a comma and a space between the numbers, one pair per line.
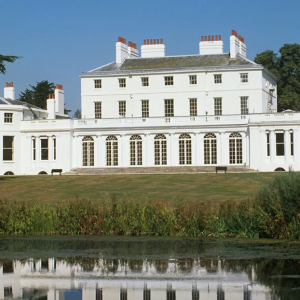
193, 80
244, 108
268, 143
292, 142
244, 78
193, 107
54, 141
144, 81
169, 107
136, 150
98, 110
98, 84
169, 80
88, 151
218, 106
11, 149
218, 78
145, 108
44, 150
210, 149
122, 83
280, 150
185, 149
8, 118
122, 108
33, 143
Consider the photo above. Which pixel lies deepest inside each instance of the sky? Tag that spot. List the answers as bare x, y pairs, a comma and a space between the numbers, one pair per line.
60, 39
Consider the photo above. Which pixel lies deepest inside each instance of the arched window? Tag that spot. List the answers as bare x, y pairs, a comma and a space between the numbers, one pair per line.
210, 149
87, 151
160, 149
235, 148
136, 150
185, 149
111, 151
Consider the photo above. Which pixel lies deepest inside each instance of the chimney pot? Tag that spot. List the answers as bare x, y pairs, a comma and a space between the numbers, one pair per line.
161, 41
217, 38
220, 38
205, 38
202, 38
209, 38
233, 32
144, 42
154, 41
212, 38
147, 41
151, 42
157, 41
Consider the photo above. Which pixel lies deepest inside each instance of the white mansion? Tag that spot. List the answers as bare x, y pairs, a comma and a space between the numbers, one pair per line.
153, 111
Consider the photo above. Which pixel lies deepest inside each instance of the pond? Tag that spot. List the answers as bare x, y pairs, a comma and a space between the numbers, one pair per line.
127, 268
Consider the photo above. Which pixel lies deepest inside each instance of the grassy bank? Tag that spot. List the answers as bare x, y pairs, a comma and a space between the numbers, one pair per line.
210, 187
273, 213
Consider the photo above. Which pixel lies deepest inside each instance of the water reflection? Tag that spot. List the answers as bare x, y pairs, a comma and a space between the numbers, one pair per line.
99, 273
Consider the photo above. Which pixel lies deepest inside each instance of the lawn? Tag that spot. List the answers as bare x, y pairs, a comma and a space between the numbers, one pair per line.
188, 187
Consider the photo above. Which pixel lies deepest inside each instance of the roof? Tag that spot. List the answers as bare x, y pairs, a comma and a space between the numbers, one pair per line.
7, 101
174, 63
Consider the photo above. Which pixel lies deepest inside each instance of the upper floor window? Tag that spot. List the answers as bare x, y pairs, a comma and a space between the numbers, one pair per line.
169, 108
218, 78
193, 107
122, 108
98, 84
218, 106
8, 117
145, 108
145, 81
244, 106
193, 79
122, 82
169, 80
8, 148
98, 110
244, 77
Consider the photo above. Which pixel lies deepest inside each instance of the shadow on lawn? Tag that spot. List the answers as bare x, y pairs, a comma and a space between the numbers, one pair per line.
5, 178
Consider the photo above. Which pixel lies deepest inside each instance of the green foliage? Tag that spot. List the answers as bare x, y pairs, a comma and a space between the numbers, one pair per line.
77, 114
274, 213
277, 207
286, 67
38, 94
6, 58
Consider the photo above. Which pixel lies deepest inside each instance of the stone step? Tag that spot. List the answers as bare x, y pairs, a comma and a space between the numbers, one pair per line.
157, 170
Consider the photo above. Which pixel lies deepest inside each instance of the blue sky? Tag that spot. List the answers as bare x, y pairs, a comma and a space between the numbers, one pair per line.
60, 39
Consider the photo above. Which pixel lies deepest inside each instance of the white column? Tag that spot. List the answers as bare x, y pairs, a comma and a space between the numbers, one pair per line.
145, 149
122, 151
296, 145
222, 149
272, 146
201, 148
38, 148
263, 145
193, 136
247, 143
170, 151
244, 148
287, 146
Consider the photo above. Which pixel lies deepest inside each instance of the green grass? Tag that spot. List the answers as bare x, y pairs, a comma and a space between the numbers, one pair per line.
189, 187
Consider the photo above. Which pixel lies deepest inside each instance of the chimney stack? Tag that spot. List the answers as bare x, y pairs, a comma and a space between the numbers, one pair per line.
9, 91
153, 48
237, 45
132, 51
211, 45
121, 50
51, 107
59, 99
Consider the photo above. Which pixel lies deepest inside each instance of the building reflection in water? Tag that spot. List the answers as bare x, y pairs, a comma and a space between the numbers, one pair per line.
80, 278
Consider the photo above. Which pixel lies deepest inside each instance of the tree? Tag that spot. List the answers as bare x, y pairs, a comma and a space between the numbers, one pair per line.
7, 58
77, 114
286, 67
38, 94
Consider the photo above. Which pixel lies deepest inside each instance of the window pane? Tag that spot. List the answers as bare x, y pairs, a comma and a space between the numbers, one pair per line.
280, 144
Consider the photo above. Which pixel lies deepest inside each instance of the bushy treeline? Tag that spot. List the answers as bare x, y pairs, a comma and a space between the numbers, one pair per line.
274, 213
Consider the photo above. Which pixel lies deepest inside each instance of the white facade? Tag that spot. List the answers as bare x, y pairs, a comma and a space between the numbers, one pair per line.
52, 279
206, 110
